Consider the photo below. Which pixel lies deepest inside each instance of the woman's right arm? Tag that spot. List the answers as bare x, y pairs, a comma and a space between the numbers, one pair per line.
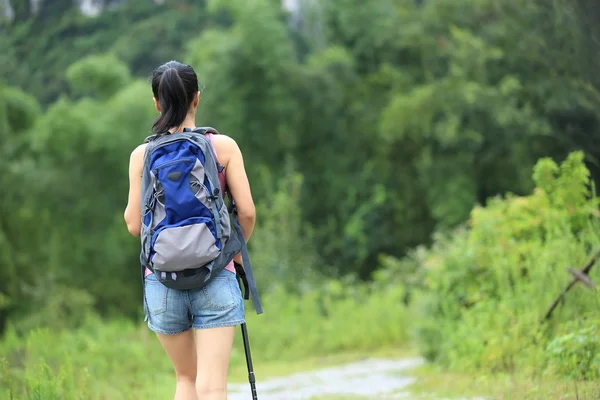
239, 187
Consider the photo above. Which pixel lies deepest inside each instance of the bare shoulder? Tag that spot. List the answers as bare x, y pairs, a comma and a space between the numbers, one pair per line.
224, 141
138, 152
226, 147
137, 157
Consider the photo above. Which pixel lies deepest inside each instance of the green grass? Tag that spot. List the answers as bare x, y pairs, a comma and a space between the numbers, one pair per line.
135, 366
433, 383
122, 360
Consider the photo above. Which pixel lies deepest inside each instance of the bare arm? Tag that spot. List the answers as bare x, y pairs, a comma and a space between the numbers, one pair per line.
133, 211
237, 182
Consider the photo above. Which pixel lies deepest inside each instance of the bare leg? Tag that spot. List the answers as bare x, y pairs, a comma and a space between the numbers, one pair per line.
181, 349
214, 350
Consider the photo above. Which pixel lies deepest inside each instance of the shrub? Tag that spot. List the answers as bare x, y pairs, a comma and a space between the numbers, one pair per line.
486, 288
576, 353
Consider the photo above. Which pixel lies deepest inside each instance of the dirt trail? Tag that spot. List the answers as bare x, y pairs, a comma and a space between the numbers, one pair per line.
367, 379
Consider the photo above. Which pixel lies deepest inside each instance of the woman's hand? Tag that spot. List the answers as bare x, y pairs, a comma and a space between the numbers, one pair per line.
238, 258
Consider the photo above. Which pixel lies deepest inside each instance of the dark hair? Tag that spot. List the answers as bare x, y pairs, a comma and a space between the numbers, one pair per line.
174, 86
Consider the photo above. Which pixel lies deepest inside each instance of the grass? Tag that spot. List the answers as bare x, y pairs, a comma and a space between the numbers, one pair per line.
150, 375
118, 359
433, 383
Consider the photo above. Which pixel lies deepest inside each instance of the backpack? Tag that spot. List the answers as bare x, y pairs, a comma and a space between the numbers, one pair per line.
188, 234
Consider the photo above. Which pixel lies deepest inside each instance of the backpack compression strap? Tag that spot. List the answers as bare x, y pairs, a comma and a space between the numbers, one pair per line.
245, 272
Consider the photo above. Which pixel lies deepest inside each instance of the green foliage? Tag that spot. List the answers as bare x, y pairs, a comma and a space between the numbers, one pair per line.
252, 110
19, 222
123, 360
98, 75
38, 49
334, 317
401, 128
360, 139
281, 247
576, 354
486, 288
62, 166
21, 109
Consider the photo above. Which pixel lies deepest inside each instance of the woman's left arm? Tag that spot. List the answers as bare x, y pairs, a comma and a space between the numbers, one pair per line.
133, 211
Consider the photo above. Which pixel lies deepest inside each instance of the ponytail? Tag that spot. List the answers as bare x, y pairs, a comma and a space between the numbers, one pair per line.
173, 100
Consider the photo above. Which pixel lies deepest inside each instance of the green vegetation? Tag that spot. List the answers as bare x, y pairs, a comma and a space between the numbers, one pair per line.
124, 360
424, 173
432, 384
486, 288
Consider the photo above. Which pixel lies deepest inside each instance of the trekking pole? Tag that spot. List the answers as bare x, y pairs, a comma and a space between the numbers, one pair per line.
251, 378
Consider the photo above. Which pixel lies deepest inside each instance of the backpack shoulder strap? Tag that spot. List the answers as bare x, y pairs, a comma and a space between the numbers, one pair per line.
201, 130
153, 137
206, 129
245, 271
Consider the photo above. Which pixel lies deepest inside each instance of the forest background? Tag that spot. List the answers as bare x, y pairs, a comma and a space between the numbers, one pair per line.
424, 171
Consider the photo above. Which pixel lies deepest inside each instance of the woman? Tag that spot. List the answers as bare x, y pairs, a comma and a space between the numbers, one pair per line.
201, 365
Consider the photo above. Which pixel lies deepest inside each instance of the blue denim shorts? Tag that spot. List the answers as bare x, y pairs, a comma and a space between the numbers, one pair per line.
169, 311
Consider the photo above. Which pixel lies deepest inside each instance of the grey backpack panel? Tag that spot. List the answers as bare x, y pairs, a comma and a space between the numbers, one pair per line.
194, 242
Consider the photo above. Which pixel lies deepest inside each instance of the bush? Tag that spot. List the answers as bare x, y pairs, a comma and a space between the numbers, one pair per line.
576, 353
486, 288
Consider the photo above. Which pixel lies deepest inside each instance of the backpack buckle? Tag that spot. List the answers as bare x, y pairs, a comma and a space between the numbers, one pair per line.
231, 208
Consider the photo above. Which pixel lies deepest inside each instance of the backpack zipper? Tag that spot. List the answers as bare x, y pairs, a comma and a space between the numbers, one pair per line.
166, 164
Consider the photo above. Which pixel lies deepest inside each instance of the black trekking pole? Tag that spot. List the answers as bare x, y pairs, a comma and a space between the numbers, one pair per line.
251, 378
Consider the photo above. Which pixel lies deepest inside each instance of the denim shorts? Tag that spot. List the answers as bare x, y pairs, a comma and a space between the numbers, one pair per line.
217, 304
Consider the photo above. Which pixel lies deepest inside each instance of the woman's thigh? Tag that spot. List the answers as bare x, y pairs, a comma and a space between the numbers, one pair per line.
213, 348
216, 308
181, 350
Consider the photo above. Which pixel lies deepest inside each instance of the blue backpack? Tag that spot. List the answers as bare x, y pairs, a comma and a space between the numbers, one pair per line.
188, 234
